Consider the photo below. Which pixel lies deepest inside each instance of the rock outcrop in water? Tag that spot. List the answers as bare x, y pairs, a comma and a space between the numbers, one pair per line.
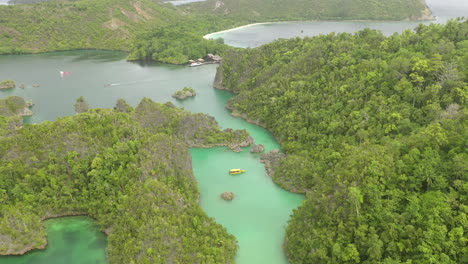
15, 106
7, 84
257, 148
228, 196
240, 140
81, 105
184, 93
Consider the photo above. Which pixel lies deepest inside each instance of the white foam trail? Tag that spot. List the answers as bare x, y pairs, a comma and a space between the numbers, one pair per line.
127, 83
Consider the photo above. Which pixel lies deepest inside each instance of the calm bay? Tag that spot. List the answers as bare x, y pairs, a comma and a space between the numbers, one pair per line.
259, 214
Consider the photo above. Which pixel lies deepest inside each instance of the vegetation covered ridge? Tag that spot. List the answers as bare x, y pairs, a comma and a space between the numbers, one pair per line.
374, 131
129, 169
270, 10
162, 32
84, 24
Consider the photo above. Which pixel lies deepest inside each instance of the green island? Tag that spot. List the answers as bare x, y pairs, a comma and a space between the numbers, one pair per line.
7, 84
150, 30
184, 93
129, 169
374, 132
15, 106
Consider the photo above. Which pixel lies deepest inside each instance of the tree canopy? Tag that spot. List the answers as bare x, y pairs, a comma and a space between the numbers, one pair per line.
129, 169
271, 10
374, 129
151, 30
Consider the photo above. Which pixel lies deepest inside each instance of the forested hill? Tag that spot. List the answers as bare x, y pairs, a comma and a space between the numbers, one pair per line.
375, 132
129, 169
162, 32
83, 24
281, 10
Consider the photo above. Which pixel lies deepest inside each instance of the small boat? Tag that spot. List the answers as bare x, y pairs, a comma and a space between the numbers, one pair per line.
193, 64
236, 171
62, 73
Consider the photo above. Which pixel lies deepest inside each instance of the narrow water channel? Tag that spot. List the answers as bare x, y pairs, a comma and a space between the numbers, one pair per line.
258, 214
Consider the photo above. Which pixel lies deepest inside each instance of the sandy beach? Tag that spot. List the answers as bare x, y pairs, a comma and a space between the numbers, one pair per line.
426, 16
208, 36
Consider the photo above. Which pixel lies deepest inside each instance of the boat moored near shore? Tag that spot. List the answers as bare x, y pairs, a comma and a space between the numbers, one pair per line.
236, 171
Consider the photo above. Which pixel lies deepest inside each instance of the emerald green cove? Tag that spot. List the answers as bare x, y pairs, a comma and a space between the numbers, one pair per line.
72, 240
259, 211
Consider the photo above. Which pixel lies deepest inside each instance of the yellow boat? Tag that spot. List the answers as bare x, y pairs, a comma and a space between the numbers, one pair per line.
236, 171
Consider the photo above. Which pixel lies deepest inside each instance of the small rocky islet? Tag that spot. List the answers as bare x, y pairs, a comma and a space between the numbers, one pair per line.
227, 196
15, 106
184, 93
7, 84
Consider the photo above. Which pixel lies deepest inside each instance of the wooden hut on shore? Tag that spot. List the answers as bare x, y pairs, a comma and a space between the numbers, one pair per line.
214, 58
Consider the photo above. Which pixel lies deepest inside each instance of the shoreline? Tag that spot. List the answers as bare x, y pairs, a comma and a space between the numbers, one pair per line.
266, 163
65, 50
210, 35
45, 241
426, 15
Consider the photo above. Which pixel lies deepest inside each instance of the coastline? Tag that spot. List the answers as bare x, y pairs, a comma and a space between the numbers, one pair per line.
268, 164
27, 248
209, 35
426, 15
44, 240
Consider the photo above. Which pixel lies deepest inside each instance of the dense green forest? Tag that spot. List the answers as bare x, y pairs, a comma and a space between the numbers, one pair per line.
152, 30
84, 24
276, 10
11, 114
176, 44
149, 30
129, 169
375, 132
182, 41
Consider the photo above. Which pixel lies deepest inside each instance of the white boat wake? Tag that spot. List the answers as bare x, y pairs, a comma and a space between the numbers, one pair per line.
127, 83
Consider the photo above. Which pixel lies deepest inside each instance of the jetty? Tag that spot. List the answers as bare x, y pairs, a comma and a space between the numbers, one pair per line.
209, 59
